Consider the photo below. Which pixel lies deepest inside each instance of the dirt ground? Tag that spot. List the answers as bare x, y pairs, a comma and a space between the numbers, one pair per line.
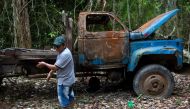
23, 93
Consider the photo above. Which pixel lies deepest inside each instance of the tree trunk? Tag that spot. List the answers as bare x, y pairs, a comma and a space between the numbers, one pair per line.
176, 18
128, 13
68, 23
1, 5
22, 33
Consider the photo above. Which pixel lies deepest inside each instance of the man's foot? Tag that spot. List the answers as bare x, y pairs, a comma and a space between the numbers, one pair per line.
72, 104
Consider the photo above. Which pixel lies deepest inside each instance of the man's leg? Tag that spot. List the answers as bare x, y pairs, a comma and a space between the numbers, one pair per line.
62, 97
71, 97
65, 95
71, 94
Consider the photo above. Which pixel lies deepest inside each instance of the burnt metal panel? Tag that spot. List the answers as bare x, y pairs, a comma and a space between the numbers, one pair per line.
102, 47
108, 46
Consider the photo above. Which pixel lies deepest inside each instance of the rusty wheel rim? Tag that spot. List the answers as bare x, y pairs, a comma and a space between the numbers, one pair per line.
154, 84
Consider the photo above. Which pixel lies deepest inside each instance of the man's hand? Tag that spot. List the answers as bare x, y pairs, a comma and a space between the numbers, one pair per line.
40, 64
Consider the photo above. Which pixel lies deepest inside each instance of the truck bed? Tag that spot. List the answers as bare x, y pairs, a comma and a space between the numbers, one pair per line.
27, 54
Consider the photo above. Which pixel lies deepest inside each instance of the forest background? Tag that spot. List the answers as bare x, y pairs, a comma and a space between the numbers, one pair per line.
35, 23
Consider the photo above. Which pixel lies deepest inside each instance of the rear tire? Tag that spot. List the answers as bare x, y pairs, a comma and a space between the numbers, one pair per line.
153, 81
93, 85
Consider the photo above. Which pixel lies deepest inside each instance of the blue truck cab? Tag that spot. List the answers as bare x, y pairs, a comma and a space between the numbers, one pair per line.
105, 44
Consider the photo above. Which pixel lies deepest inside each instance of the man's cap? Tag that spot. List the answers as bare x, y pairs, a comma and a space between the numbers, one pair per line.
59, 40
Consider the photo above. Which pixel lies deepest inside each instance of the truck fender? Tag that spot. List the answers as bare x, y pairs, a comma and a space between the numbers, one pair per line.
137, 54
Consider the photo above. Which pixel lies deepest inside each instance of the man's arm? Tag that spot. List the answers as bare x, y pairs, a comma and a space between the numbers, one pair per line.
50, 66
49, 75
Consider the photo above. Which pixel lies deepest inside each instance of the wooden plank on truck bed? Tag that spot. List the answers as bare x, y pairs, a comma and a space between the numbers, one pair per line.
29, 54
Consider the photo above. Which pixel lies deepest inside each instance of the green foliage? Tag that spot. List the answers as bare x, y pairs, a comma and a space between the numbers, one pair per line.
53, 34
178, 101
6, 23
131, 104
46, 19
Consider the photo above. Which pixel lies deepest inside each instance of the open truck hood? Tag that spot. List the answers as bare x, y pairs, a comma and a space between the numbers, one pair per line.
152, 25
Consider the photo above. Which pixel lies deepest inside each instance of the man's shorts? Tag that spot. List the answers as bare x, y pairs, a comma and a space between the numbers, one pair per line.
65, 95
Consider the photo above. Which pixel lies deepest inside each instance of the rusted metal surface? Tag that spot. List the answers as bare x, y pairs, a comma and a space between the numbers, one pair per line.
109, 49
106, 45
154, 84
82, 22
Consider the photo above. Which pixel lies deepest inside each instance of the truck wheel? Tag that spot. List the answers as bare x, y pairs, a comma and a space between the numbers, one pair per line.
153, 81
93, 84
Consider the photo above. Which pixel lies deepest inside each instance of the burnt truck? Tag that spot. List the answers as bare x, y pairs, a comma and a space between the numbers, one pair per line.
106, 47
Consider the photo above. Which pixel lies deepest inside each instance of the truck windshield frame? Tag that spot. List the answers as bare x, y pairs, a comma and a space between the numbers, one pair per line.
103, 22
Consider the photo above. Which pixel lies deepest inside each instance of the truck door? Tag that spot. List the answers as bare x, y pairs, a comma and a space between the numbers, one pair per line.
104, 40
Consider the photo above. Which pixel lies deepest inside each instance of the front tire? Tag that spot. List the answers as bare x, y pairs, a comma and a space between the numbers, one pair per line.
154, 81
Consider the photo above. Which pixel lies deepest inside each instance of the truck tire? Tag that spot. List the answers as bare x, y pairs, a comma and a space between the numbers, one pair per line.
153, 81
93, 84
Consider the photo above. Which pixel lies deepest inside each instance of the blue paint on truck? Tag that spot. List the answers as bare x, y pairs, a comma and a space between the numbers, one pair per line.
155, 47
